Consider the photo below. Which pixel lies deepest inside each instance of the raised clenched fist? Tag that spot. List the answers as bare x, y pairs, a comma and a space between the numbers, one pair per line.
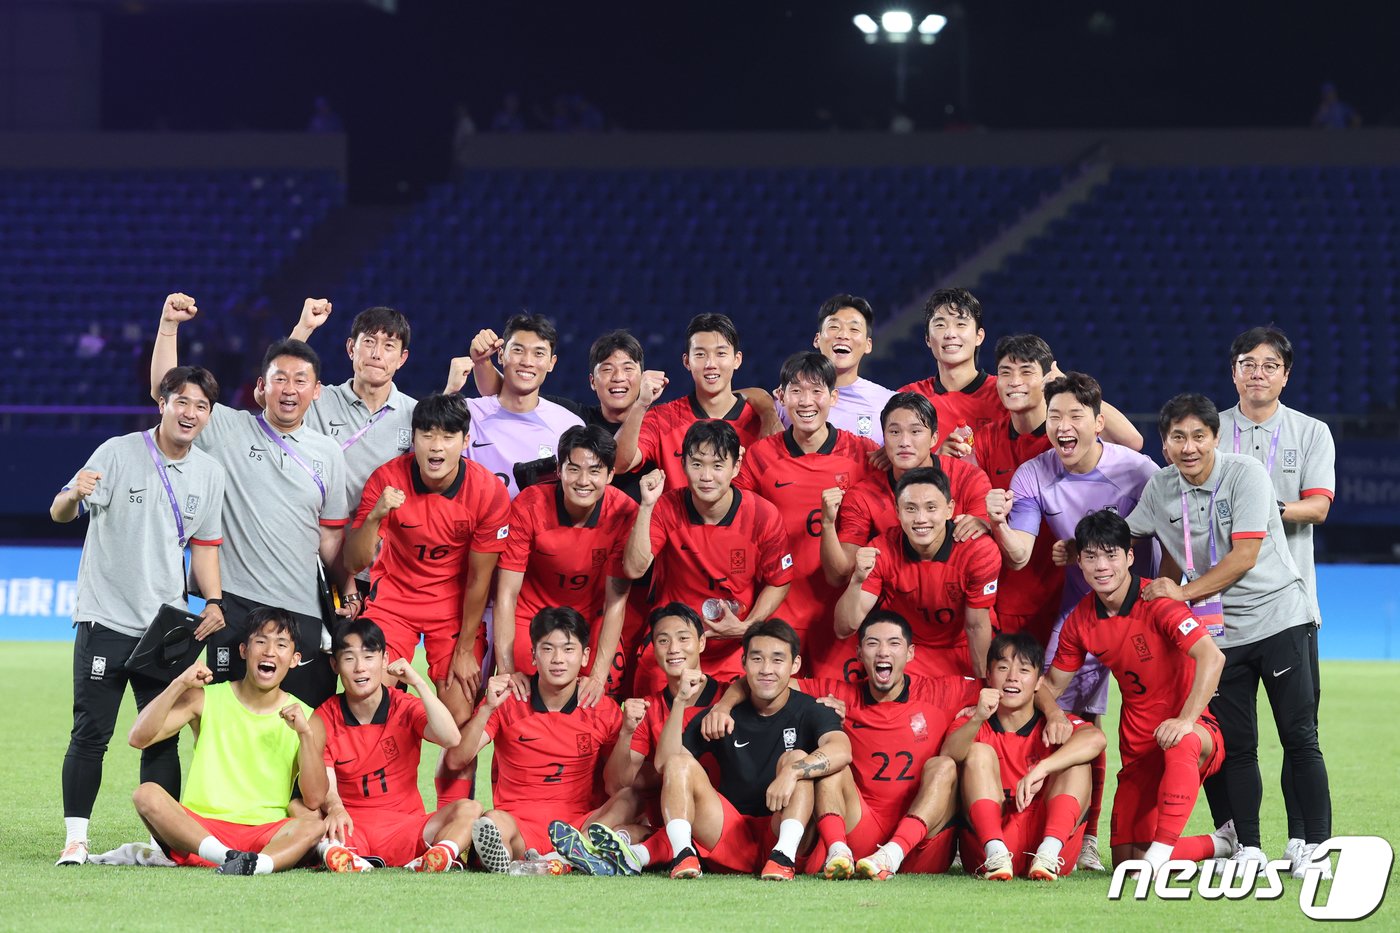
85, 483
652, 486
865, 562
999, 505
831, 504
179, 308
390, 499
484, 344
654, 382
315, 312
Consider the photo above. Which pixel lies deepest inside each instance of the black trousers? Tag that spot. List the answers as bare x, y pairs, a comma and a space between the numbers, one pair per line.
1285, 664
311, 680
100, 679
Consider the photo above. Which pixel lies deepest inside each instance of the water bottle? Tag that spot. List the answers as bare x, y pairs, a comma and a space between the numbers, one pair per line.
962, 433
537, 866
713, 609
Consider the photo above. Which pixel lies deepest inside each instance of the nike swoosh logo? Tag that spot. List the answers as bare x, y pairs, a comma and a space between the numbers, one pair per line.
525, 738
678, 453
419, 525
859, 725
339, 424
1002, 472
1282, 672
484, 444
132, 492
304, 663
345, 762
1175, 520
781, 485
740, 744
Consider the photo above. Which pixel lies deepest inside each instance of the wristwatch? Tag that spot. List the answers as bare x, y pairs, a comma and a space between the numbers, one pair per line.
215, 601
1280, 507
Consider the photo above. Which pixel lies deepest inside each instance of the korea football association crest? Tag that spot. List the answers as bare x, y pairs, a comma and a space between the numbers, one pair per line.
191, 504
919, 726
546, 451
405, 439
1222, 510
221, 658
789, 739
99, 667
1290, 459
319, 467
864, 425
390, 747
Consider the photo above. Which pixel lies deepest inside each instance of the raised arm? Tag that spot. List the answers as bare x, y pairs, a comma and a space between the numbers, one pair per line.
855, 602
314, 313
637, 556
165, 355
177, 705
628, 437
68, 503
441, 728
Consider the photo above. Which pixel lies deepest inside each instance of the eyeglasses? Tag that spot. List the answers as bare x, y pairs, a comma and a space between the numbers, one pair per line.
1250, 367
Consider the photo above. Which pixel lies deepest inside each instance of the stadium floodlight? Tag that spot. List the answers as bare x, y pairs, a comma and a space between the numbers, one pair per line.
898, 23
866, 25
930, 26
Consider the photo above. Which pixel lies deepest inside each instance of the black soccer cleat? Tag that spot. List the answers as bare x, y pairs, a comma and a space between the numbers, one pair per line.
238, 863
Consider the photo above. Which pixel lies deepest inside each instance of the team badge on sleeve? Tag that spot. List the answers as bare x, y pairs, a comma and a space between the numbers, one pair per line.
502, 532
789, 739
1188, 625
787, 561
989, 589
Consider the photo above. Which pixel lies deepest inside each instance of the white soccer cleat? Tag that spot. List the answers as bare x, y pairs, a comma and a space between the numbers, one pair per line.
997, 867
1089, 855
1045, 867
1303, 864
75, 853
840, 863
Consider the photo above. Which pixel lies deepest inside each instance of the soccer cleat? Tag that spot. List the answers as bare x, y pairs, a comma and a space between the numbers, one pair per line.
75, 853
613, 846
489, 845
340, 859
437, 858
1045, 868
686, 864
996, 867
238, 863
778, 868
573, 847
875, 867
840, 862
1303, 864
1089, 855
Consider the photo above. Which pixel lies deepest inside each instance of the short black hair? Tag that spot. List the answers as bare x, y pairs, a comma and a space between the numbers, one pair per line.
263, 616
366, 629
565, 619
911, 401
1025, 348
294, 348
1104, 529
609, 343
180, 376
381, 320
961, 301
1270, 335
885, 616
537, 324
712, 322
929, 475
717, 435
442, 411
680, 611
1185, 405
1022, 645
809, 365
773, 627
837, 302
591, 438
1082, 386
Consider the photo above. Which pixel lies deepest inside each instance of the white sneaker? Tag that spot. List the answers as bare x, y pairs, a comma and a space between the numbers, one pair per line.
1303, 864
997, 867
1045, 867
1089, 855
1246, 854
1294, 853
840, 862
75, 853
133, 853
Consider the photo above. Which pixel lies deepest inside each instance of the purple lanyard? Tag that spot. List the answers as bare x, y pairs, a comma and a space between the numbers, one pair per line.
1186, 529
165, 481
1273, 447
296, 457
354, 439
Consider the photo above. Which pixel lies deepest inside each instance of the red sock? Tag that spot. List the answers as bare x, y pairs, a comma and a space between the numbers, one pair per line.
1194, 848
985, 817
911, 831
658, 848
451, 789
1177, 790
832, 829
1061, 815
1098, 769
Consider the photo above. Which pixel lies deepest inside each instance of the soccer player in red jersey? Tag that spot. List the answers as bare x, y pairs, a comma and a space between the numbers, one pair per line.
961, 392
565, 549
1167, 671
657, 435
1014, 789
918, 570
760, 809
792, 470
710, 541
548, 749
852, 518
372, 737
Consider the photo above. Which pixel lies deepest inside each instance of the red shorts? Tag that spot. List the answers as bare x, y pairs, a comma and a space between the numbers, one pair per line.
397, 838
952, 661
743, 845
1134, 819
931, 856
238, 836
1022, 832
439, 640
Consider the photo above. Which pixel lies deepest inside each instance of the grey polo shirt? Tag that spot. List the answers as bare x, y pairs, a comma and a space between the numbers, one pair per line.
132, 559
1304, 464
273, 510
1270, 597
340, 414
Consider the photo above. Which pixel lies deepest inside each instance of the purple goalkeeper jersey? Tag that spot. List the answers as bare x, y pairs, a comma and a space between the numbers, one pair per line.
501, 439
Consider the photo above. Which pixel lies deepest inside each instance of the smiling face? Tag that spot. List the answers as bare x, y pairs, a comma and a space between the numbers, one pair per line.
375, 358
584, 478
923, 514
1016, 678
908, 441
1020, 385
677, 645
559, 656
1106, 569
438, 453
1259, 376
953, 337
270, 654
884, 652
361, 670
1190, 447
808, 403
1073, 429
844, 339
768, 666
616, 381
290, 386
526, 359
711, 361
184, 414
709, 475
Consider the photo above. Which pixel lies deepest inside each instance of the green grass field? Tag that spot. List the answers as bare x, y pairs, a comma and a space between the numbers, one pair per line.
1359, 738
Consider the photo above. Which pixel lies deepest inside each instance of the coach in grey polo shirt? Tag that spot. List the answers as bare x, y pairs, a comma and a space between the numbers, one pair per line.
1226, 501
284, 506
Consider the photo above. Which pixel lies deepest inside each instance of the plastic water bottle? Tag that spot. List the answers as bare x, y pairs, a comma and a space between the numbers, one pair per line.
713, 609
962, 433
538, 866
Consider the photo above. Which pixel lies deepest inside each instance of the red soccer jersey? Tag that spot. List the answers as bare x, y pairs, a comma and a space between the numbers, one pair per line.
733, 559
1145, 645
976, 403
376, 762
420, 573
777, 469
1035, 588
564, 564
664, 427
543, 757
892, 741
648, 733
868, 510
1017, 751
933, 595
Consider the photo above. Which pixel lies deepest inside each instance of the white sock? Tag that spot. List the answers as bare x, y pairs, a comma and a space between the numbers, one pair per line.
994, 848
1158, 854
678, 832
264, 865
789, 838
1223, 849
1050, 847
76, 828
642, 854
450, 846
212, 850
893, 853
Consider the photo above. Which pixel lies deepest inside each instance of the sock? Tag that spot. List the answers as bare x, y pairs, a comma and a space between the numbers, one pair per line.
1157, 855
985, 816
1050, 848
678, 833
321, 848
264, 865
642, 853
909, 833
212, 850
450, 846
1177, 789
658, 848
1061, 813
1098, 770
789, 837
1199, 848
832, 829
77, 829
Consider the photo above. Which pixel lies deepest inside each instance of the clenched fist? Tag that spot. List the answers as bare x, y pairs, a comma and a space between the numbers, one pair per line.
831, 504
653, 383
295, 719
865, 563
314, 312
390, 499
634, 710
197, 675
457, 372
484, 345
652, 486
999, 505
179, 308
84, 485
